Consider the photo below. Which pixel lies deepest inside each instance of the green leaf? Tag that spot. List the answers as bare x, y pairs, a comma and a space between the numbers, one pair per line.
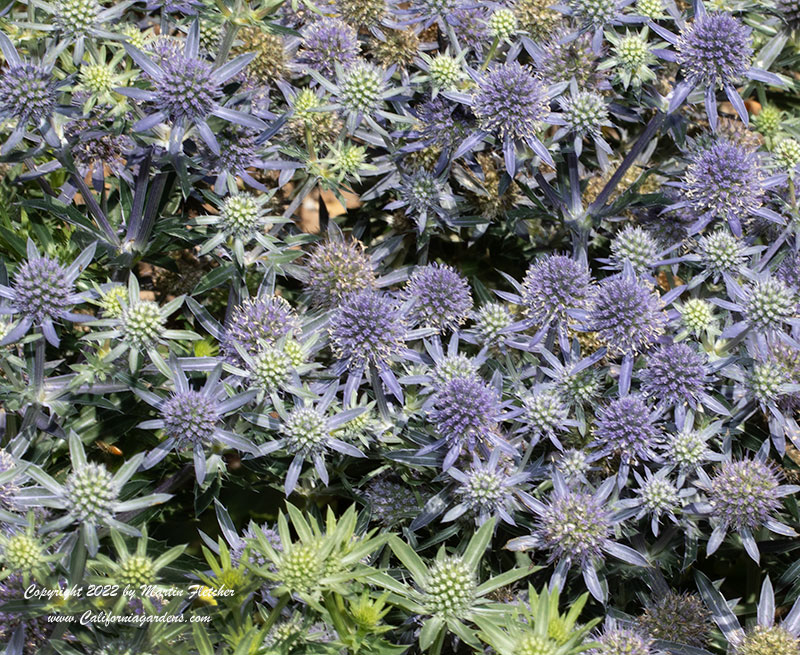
430, 630
409, 558
478, 544
201, 640
505, 579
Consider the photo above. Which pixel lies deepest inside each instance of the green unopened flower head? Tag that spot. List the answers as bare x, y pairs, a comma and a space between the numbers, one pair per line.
97, 78
134, 36
294, 351
112, 302
774, 640
649, 8
306, 429
767, 380
450, 588
445, 71
696, 315
768, 120
787, 155
502, 23
300, 567
361, 87
90, 493
143, 324
533, 644
492, 319
349, 159
271, 368
23, 552
137, 570
76, 16
454, 366
636, 246
687, 448
632, 51
241, 215
659, 495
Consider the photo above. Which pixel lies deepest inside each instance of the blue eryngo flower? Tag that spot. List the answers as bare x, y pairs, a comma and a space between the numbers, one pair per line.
423, 194
766, 637
678, 375
627, 314
186, 90
42, 292
390, 502
441, 297
90, 495
576, 526
257, 321
714, 51
487, 489
327, 42
743, 496
28, 94
465, 413
628, 427
360, 93
512, 103
368, 330
594, 15
552, 287
194, 420
306, 434
140, 326
335, 269
790, 12
726, 180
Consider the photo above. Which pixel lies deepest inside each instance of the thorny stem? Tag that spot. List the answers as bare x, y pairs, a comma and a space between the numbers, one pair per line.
641, 143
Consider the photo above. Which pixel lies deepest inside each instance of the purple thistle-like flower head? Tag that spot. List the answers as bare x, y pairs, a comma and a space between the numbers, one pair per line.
256, 320
715, 49
42, 289
469, 25
511, 101
725, 180
327, 42
769, 304
554, 285
190, 417
441, 122
187, 89
789, 270
627, 426
627, 315
27, 92
367, 329
675, 374
443, 298
743, 493
677, 617
616, 641
790, 10
575, 525
337, 268
464, 410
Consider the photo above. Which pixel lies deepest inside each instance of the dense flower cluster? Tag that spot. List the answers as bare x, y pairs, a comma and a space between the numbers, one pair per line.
391, 327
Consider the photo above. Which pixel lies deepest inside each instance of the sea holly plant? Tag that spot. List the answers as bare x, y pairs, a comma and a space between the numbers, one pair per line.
767, 635
447, 594
90, 496
537, 626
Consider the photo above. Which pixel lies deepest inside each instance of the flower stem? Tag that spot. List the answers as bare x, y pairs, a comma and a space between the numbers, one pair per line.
490, 54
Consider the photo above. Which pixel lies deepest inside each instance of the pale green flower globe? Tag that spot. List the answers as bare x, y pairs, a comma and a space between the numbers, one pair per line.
90, 493
271, 368
97, 78
769, 641
502, 23
143, 324
137, 570
450, 588
22, 553
241, 216
697, 315
445, 71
